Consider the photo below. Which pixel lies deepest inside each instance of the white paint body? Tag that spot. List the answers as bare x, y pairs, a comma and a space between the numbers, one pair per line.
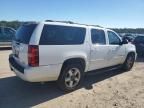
52, 57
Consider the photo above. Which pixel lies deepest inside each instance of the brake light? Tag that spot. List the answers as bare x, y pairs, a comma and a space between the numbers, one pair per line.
33, 55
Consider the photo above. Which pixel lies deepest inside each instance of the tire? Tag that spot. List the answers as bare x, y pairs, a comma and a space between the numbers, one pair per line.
129, 62
71, 77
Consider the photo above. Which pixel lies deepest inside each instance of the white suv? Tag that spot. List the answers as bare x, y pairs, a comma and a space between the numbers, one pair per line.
64, 51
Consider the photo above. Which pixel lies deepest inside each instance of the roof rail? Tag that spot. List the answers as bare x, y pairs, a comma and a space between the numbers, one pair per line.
70, 22
97, 26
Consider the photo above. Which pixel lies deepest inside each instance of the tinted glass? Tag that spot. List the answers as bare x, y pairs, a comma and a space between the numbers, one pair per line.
113, 38
98, 37
62, 35
24, 33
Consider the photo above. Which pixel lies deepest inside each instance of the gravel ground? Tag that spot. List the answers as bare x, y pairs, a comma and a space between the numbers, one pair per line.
109, 89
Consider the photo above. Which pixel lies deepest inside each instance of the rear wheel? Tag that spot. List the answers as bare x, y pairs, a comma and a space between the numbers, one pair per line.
129, 62
71, 77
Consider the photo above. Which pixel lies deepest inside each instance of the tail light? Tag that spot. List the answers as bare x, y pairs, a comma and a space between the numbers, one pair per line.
33, 55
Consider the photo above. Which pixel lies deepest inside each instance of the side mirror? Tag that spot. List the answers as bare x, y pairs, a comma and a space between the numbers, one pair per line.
124, 41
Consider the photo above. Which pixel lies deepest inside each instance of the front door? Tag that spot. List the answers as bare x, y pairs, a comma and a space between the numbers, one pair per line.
116, 53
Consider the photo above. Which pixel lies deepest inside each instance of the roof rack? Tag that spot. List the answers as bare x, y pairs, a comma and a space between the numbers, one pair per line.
96, 26
71, 22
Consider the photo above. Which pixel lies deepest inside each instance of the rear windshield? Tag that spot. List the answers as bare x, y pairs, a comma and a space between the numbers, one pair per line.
24, 33
62, 35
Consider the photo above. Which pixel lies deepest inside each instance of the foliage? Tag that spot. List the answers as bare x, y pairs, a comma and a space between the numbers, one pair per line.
16, 24
13, 24
130, 30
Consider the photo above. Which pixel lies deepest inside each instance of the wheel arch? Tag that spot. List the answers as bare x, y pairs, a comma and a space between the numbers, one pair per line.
67, 61
131, 49
132, 52
80, 60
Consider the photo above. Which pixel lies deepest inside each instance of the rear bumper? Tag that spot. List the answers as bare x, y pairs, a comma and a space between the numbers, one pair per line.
35, 74
14, 64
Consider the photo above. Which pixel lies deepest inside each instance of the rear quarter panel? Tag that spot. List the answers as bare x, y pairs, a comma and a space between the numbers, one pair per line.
57, 54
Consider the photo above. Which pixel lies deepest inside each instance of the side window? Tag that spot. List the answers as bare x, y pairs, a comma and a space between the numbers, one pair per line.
98, 37
62, 35
113, 38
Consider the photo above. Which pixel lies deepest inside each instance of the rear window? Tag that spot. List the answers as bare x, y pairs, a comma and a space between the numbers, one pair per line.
24, 33
62, 35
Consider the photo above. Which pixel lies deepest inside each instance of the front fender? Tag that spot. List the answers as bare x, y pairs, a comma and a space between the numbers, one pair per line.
131, 48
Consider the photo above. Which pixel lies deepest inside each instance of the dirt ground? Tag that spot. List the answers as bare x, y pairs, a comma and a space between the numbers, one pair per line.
109, 89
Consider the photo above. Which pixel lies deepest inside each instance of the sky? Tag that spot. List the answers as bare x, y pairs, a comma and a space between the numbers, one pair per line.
106, 13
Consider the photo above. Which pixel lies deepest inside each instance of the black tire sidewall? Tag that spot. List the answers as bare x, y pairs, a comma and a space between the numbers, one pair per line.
125, 66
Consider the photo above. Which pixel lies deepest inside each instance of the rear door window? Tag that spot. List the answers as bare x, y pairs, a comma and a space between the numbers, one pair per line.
24, 33
98, 37
62, 35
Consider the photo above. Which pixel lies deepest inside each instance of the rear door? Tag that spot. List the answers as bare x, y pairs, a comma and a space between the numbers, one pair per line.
99, 49
21, 42
116, 53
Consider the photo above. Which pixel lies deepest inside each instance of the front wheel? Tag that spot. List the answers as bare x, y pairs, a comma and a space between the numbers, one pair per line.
129, 62
71, 77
